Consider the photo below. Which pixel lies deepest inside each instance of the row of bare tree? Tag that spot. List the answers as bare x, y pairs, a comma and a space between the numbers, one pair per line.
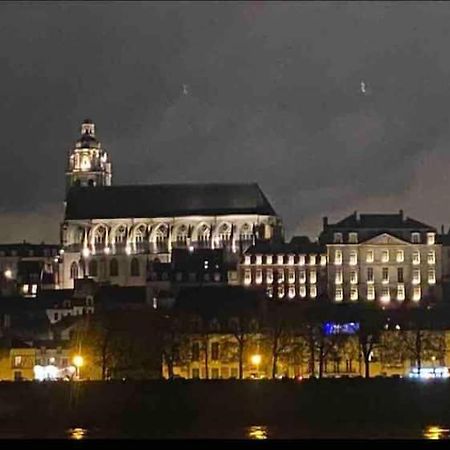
123, 342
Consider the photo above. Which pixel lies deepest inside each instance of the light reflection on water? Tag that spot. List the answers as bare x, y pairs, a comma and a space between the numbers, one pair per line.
436, 432
257, 432
77, 433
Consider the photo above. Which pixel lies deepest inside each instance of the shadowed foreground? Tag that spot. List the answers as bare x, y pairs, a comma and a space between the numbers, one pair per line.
216, 408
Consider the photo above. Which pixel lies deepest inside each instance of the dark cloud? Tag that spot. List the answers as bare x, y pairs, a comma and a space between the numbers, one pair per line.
273, 96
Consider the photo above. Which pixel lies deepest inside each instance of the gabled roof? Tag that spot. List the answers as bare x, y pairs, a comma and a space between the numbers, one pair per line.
165, 200
380, 221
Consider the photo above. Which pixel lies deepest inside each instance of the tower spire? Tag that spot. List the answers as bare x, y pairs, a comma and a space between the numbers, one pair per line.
88, 163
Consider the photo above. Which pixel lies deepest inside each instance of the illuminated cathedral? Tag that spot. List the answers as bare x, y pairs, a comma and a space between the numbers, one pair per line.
111, 232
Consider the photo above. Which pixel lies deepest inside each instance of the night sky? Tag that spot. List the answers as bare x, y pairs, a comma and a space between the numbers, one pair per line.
230, 92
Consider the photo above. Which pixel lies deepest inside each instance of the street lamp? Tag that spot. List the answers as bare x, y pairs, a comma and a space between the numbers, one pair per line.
78, 362
8, 274
256, 361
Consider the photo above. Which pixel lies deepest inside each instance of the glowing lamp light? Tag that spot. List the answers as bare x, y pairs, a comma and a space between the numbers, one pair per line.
256, 360
107, 250
8, 274
128, 250
61, 252
78, 361
86, 252
191, 248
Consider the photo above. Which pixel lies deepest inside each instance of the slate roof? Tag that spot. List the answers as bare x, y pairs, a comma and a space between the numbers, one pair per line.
378, 221
165, 200
298, 244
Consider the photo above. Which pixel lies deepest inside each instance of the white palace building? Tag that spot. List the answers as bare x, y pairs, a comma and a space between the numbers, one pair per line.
111, 233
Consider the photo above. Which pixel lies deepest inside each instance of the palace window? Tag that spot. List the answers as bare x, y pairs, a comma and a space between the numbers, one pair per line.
353, 238
370, 256
415, 238
313, 291
416, 257
338, 276
281, 276
385, 295
385, 256
312, 277
291, 292
431, 257
353, 277
301, 260
353, 258
259, 259
400, 256
369, 275
431, 238
431, 276
312, 260
416, 293
339, 294
385, 275
338, 257
247, 276
400, 275
268, 259
302, 291
258, 276
416, 276
302, 276
323, 260
280, 291
370, 292
400, 292
353, 293
291, 260
291, 277
269, 276
280, 259
337, 238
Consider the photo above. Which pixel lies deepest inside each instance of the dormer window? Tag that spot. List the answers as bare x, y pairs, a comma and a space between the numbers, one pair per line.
415, 238
353, 238
431, 238
338, 238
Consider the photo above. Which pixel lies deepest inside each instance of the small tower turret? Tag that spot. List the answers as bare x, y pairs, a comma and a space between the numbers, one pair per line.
88, 163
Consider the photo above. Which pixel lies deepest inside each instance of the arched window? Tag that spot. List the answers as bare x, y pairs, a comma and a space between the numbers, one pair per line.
182, 234
139, 235
135, 270
113, 268
74, 270
93, 268
246, 232
161, 234
203, 234
120, 235
224, 232
100, 235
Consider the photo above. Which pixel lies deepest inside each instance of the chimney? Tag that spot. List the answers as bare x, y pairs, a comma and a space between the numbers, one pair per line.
401, 214
442, 229
325, 222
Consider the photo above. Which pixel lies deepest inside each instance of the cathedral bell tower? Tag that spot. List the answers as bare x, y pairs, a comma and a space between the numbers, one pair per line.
88, 163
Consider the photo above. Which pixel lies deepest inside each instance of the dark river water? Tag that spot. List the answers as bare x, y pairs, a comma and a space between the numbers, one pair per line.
433, 432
